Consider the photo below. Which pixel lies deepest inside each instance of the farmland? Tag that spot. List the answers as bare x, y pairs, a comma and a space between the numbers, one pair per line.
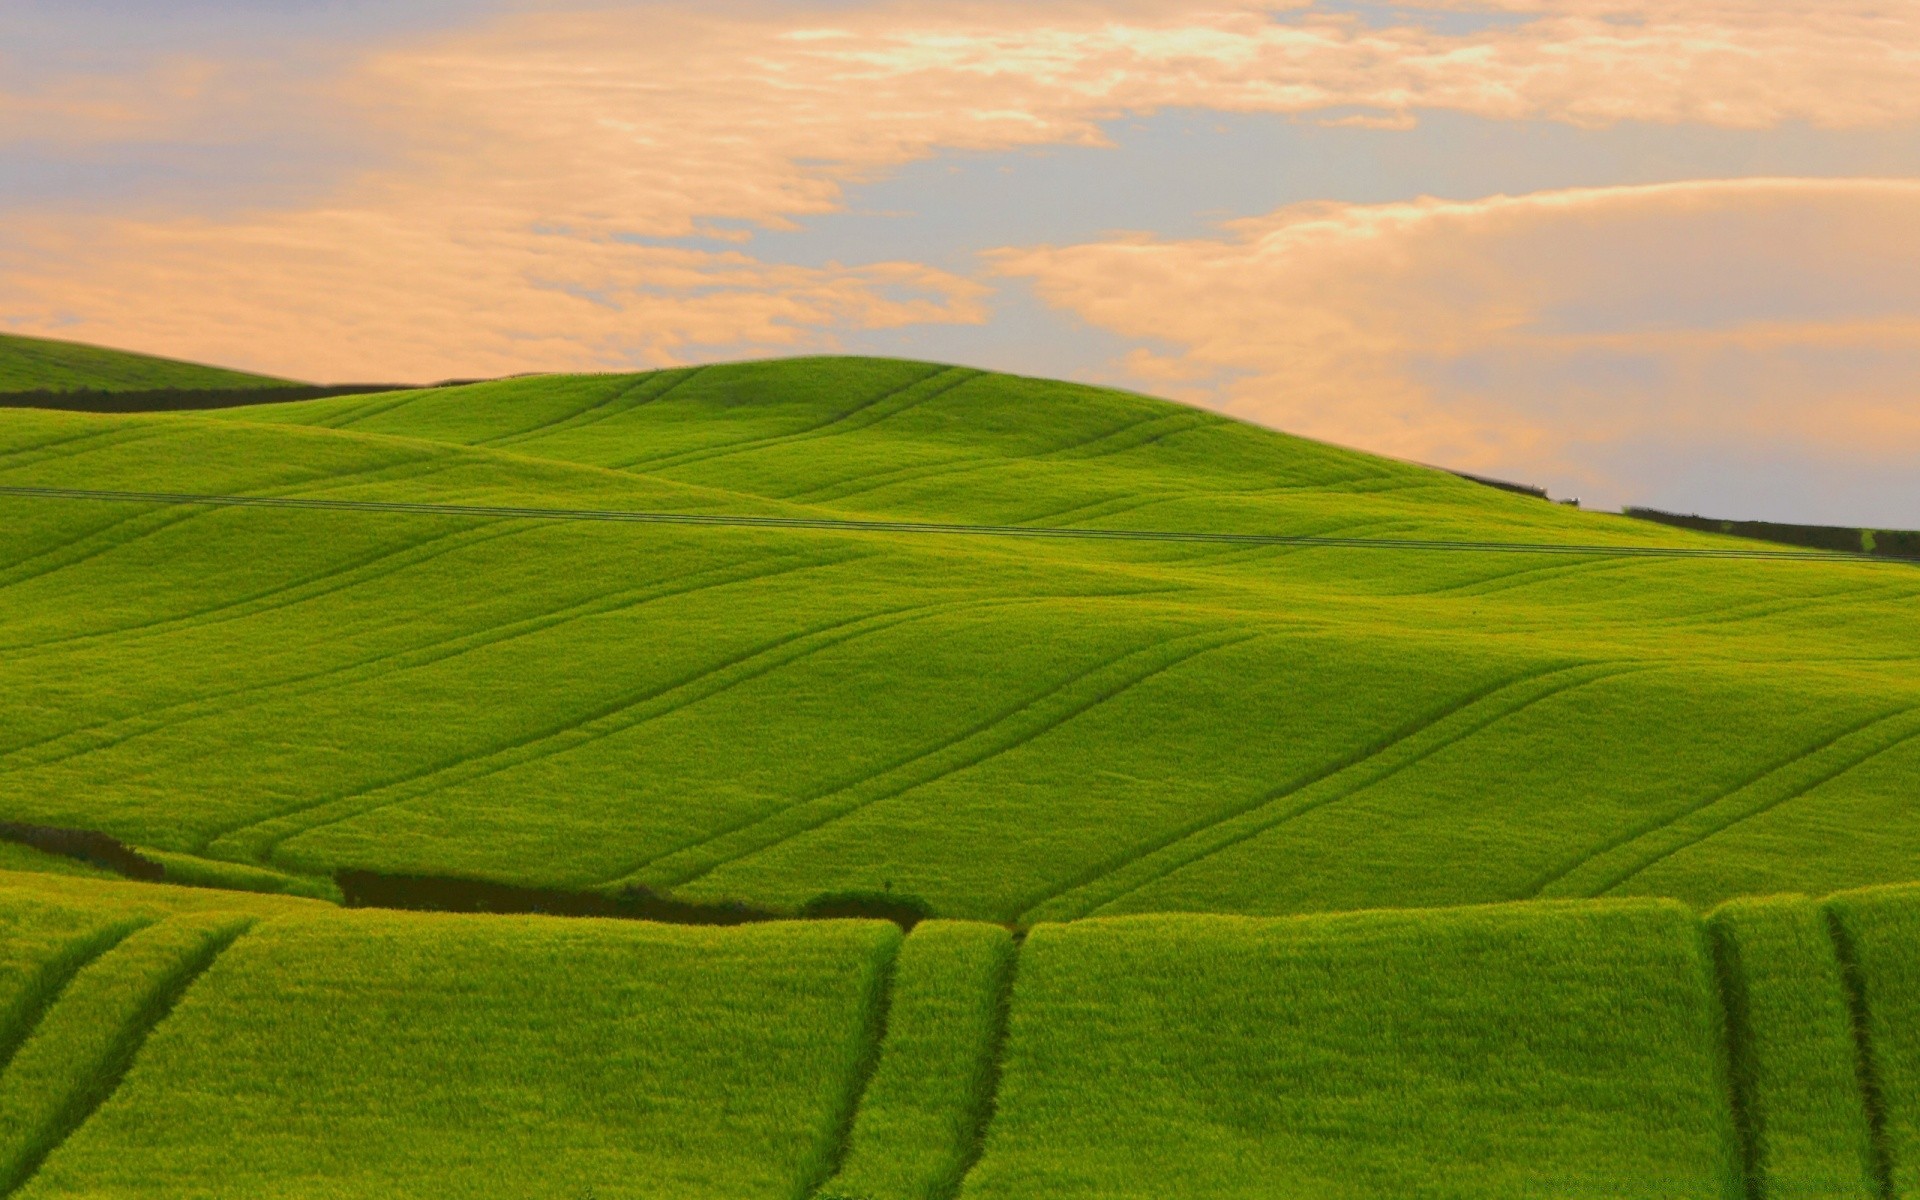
1290, 821
1562, 1048
1005, 728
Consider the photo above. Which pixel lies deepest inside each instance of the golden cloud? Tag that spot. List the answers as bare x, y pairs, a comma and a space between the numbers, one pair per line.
1522, 331
520, 155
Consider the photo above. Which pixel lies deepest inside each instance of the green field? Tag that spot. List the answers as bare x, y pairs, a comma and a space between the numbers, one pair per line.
1436, 852
1569, 1049
39, 364
1007, 728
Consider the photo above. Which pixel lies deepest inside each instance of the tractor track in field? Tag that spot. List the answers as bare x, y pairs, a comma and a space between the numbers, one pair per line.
849, 525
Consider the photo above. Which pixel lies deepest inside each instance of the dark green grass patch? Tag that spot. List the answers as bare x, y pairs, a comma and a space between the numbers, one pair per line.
1793, 1051
364, 1054
1521, 1052
927, 1104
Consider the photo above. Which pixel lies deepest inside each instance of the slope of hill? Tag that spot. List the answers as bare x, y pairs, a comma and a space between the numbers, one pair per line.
43, 365
1007, 728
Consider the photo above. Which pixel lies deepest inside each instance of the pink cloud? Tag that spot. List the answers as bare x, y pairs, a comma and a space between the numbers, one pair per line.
1519, 333
517, 151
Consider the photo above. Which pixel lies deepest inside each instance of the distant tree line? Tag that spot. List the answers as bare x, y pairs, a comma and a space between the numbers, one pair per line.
1889, 543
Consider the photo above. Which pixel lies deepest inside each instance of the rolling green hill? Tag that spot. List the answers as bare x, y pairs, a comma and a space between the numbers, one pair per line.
1005, 727
42, 365
1141, 703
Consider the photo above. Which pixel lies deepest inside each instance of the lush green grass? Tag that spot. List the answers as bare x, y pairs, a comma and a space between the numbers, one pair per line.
15, 857
79, 1050
1010, 729
362, 1054
1793, 1051
1565, 1050
1543, 1051
42, 944
919, 1118
40, 364
1878, 932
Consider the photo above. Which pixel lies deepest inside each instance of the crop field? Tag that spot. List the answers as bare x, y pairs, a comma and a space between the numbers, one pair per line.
1004, 727
1623, 1048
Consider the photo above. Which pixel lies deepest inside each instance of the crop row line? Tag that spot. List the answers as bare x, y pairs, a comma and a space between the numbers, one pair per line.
829, 524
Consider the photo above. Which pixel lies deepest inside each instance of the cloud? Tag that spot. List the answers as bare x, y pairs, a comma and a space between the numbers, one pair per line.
525, 162
1540, 333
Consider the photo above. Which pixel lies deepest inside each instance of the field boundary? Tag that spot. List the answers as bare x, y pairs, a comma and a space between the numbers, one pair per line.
848, 525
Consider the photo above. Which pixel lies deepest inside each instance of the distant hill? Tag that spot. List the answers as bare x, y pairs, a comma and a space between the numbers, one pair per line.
29, 364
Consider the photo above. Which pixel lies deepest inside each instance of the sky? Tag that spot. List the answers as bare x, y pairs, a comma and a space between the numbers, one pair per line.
1660, 252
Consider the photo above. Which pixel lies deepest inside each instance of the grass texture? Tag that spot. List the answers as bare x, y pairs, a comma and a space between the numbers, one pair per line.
1878, 935
1620, 1048
83, 1045
363, 1054
1528, 1051
1008, 729
924, 1109
42, 945
1793, 1061
40, 364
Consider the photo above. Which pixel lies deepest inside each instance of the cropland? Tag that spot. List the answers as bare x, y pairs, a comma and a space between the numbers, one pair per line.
1257, 817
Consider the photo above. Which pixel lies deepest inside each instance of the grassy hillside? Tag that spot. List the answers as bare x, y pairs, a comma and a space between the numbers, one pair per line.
1009, 728
1565, 1049
43, 365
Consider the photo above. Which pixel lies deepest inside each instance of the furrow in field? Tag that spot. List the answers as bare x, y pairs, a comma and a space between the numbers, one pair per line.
1737, 1052
1143, 865
924, 1110
258, 841
155, 522
1131, 436
860, 415
51, 975
617, 388
75, 444
227, 702
381, 563
696, 857
621, 405
375, 405
874, 1013
1866, 1058
1004, 732
1607, 871
1553, 878
83, 1047
859, 485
